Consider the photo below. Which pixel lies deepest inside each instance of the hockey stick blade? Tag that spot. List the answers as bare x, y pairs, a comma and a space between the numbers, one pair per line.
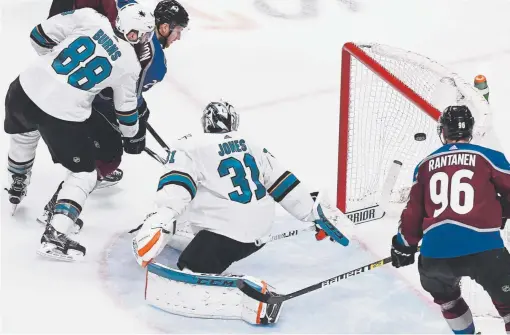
155, 156
267, 298
253, 293
157, 137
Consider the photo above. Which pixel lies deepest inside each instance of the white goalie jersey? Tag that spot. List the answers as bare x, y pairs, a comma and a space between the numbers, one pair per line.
79, 55
227, 184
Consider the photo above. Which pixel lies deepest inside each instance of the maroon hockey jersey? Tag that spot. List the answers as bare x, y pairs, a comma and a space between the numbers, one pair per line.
106, 7
453, 205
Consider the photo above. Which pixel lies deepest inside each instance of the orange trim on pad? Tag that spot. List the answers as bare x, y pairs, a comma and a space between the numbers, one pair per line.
259, 310
150, 244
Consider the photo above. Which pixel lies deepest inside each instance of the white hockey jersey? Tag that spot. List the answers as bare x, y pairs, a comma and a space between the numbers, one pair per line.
227, 184
79, 56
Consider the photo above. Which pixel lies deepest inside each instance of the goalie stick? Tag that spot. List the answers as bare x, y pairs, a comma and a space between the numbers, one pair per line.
357, 217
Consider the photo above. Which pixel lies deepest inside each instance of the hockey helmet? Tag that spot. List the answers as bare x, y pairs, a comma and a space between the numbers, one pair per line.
171, 12
456, 123
220, 117
136, 18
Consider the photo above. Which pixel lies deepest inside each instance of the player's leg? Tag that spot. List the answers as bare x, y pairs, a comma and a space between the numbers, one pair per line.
75, 153
441, 278
108, 152
24, 137
491, 269
108, 143
209, 252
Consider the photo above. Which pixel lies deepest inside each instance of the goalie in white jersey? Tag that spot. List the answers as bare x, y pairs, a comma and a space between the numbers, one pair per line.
228, 185
79, 55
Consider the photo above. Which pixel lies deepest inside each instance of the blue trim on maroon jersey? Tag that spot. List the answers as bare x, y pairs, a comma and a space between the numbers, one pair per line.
450, 240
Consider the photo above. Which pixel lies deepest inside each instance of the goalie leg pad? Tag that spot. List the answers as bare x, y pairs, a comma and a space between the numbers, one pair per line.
207, 296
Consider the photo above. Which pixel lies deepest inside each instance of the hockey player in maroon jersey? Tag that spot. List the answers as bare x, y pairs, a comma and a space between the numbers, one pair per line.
106, 7
455, 210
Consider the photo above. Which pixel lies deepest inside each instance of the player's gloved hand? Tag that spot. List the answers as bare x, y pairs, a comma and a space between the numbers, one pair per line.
505, 206
401, 255
326, 218
136, 144
154, 234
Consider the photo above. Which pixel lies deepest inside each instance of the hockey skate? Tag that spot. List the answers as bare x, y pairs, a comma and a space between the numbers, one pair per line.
49, 211
57, 245
111, 179
18, 189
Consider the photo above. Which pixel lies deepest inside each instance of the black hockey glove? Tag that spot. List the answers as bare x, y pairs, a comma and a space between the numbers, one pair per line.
401, 255
505, 207
135, 145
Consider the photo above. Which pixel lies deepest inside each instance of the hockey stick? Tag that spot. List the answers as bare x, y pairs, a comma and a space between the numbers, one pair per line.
357, 217
156, 156
269, 299
290, 233
157, 137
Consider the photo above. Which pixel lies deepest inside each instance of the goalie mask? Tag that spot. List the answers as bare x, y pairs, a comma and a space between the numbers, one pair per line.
456, 123
220, 117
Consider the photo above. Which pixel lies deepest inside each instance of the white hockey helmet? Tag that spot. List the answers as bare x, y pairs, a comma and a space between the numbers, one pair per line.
220, 117
135, 18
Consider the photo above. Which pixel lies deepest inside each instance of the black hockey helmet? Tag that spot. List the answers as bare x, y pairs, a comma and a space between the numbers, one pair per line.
456, 123
171, 12
220, 117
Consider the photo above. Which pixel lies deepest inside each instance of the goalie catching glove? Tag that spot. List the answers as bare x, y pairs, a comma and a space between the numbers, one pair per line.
153, 235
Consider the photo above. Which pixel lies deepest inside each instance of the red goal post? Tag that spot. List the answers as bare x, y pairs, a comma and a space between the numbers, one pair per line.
387, 96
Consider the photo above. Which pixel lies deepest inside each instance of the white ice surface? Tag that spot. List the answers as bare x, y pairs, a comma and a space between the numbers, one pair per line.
283, 77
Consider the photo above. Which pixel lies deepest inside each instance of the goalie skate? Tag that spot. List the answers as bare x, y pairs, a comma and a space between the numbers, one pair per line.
57, 245
111, 179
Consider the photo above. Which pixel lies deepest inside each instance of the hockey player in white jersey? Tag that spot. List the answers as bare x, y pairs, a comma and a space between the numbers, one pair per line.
228, 186
79, 55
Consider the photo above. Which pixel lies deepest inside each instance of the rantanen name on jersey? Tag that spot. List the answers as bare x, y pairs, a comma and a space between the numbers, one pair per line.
454, 159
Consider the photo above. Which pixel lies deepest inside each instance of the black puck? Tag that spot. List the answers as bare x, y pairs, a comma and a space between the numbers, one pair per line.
420, 137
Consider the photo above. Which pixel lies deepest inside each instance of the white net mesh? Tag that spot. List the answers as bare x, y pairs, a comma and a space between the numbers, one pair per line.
382, 124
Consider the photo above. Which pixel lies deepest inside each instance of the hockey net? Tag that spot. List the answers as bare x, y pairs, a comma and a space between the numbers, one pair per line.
390, 103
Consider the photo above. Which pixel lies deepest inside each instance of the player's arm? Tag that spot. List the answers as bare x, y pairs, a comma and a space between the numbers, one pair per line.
110, 10
175, 191
51, 32
286, 189
125, 101
410, 231
501, 179
60, 6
